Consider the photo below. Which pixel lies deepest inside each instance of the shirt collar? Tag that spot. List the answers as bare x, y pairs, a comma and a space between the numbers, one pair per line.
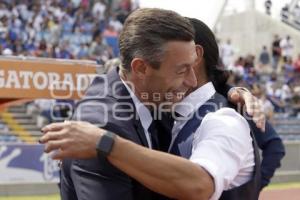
142, 111
195, 99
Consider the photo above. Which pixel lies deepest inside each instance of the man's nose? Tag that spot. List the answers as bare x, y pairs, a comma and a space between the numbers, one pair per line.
190, 78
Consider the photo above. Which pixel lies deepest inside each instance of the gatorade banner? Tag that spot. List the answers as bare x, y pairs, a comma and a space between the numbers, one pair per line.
44, 79
21, 163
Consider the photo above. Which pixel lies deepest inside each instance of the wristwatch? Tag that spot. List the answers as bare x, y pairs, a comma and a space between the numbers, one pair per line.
105, 144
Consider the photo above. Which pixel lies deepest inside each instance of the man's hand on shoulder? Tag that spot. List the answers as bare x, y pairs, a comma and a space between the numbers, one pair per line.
240, 95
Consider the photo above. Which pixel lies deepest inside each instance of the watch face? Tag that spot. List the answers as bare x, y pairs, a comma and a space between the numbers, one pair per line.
105, 144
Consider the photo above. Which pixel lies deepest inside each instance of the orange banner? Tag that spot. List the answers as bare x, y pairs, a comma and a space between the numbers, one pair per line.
47, 78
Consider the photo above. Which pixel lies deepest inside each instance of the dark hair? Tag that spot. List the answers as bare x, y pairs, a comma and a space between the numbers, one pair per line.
146, 31
206, 38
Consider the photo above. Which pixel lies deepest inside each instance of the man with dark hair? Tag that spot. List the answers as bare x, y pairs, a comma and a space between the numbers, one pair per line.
143, 37
158, 53
268, 141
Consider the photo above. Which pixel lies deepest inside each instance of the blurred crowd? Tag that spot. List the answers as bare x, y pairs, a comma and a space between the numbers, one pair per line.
67, 29
288, 14
291, 14
89, 29
79, 29
274, 76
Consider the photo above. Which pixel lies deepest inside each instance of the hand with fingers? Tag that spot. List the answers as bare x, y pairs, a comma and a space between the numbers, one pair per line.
240, 95
71, 139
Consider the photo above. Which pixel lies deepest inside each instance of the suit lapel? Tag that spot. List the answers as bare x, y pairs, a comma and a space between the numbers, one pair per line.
140, 132
122, 95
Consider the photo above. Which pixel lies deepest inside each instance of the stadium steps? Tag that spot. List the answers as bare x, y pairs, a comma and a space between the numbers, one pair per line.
17, 109
22, 125
5, 133
287, 128
6, 136
27, 127
27, 122
21, 116
11, 119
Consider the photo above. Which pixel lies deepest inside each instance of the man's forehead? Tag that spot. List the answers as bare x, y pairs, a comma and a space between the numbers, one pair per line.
180, 47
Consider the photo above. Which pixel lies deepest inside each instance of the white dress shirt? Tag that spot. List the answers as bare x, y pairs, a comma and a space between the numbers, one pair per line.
222, 144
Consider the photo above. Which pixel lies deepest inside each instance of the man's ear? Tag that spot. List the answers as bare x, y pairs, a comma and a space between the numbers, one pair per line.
199, 51
139, 67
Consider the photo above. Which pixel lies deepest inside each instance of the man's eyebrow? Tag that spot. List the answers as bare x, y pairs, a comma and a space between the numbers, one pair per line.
186, 64
182, 65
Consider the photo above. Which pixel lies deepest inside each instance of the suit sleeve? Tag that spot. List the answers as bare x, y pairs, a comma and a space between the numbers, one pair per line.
272, 151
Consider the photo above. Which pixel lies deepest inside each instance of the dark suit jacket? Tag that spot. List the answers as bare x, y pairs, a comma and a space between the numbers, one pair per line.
96, 179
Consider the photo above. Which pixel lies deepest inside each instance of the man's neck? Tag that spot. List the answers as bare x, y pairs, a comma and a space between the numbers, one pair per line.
127, 78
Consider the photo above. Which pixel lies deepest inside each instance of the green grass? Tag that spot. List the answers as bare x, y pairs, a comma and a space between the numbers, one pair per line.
48, 197
277, 186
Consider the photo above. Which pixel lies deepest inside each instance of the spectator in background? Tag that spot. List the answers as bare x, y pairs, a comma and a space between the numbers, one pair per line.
4, 10
99, 50
45, 109
227, 53
64, 51
287, 96
250, 77
123, 10
115, 23
83, 52
42, 49
238, 67
63, 109
110, 35
276, 52
285, 13
287, 47
289, 71
99, 10
7, 52
268, 5
264, 61
274, 94
297, 64
125, 5
249, 62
